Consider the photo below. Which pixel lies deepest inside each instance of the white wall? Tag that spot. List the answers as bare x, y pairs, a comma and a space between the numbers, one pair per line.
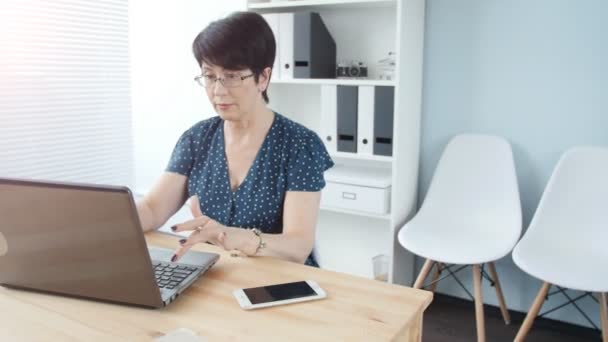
165, 99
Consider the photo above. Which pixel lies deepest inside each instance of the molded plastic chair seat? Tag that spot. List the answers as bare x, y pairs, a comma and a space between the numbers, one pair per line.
558, 265
456, 242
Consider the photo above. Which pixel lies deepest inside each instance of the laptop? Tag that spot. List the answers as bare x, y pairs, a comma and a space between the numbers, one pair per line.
86, 241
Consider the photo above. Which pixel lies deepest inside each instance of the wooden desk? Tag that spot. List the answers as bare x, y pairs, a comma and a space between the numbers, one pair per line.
356, 309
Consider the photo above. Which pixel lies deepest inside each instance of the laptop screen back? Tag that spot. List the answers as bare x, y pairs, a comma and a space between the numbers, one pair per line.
74, 239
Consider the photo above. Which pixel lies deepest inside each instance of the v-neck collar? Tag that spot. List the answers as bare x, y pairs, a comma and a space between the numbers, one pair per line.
255, 160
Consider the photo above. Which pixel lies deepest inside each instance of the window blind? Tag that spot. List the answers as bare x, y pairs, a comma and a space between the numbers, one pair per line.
65, 91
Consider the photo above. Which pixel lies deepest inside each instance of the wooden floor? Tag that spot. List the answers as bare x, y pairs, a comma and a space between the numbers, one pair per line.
453, 319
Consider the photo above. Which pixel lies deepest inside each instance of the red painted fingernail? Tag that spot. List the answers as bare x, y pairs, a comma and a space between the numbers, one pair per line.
174, 257
173, 228
182, 241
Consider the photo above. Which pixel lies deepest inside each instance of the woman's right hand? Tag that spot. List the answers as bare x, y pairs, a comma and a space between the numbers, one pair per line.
203, 228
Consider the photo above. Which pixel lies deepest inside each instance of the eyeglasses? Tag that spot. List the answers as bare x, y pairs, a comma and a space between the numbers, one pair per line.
228, 81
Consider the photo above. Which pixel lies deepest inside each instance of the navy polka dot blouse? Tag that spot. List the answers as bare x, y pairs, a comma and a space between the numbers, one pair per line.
291, 158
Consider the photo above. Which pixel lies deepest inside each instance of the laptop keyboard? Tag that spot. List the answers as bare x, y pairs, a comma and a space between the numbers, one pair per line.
169, 276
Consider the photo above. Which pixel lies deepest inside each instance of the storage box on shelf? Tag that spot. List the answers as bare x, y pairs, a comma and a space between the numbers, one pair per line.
359, 189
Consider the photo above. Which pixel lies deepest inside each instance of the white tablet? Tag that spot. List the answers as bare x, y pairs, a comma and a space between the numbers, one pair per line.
278, 294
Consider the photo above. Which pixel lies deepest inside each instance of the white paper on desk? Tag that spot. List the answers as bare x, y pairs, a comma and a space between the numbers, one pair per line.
181, 216
181, 335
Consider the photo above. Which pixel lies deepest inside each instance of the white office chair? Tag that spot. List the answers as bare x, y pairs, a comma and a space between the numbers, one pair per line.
471, 215
566, 242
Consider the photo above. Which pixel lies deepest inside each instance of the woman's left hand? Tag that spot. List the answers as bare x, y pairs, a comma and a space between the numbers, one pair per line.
204, 229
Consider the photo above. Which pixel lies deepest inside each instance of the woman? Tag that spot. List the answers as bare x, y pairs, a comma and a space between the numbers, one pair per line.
248, 167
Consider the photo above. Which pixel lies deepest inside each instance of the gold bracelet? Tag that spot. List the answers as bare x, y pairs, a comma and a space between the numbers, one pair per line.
261, 244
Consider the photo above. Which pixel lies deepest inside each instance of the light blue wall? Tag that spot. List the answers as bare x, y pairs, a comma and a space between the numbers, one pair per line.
534, 72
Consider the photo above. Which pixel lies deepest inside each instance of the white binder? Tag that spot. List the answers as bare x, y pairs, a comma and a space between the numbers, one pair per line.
329, 118
273, 21
286, 45
365, 124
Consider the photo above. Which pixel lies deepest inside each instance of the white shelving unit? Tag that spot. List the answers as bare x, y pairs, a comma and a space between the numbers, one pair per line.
364, 30
277, 6
353, 156
324, 81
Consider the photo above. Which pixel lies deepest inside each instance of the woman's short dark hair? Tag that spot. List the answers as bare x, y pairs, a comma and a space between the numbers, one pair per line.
243, 40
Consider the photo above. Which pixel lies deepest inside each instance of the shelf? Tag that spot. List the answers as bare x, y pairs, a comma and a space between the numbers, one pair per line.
386, 217
334, 81
278, 6
355, 156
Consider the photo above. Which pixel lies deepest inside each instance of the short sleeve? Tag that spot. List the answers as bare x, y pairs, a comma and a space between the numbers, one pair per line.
307, 165
182, 158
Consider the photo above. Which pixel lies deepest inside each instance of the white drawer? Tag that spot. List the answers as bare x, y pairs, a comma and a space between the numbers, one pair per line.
356, 197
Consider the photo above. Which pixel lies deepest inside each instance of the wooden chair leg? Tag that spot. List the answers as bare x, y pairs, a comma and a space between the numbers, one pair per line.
436, 275
481, 328
603, 315
532, 313
424, 272
501, 298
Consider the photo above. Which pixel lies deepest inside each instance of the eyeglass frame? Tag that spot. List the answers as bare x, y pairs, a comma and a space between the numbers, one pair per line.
200, 81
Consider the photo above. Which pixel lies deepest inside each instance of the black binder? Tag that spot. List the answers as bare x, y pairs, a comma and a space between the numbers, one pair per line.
384, 99
314, 49
347, 118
